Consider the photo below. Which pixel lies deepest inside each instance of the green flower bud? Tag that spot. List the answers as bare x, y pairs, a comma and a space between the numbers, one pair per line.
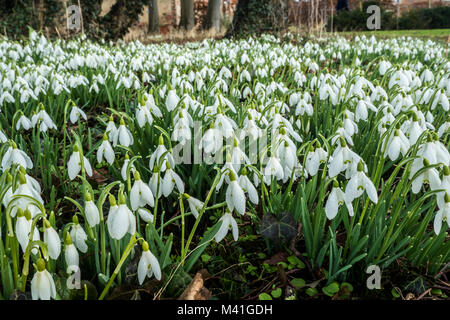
360, 166
121, 198
145, 246
68, 240
75, 219
112, 200
40, 265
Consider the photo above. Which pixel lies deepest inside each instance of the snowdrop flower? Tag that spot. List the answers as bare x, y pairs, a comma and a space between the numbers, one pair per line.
358, 184
442, 215
106, 150
3, 138
145, 215
74, 164
181, 131
161, 154
172, 100
42, 284
194, 204
445, 185
398, 143
238, 157
71, 255
148, 265
140, 194
123, 171
227, 221
122, 135
78, 235
43, 120
75, 114
430, 175
287, 154
248, 187
111, 129
170, 180
212, 141
343, 159
91, 211
23, 229
155, 183
335, 200
442, 100
23, 122
443, 128
51, 238
314, 158
120, 219
235, 196
273, 169
15, 156
25, 188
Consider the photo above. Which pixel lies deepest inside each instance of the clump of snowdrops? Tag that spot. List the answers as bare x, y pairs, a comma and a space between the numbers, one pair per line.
358, 145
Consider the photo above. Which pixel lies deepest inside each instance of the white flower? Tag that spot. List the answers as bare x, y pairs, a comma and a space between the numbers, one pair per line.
43, 119
140, 194
170, 180
91, 211
235, 196
273, 169
194, 204
3, 138
161, 157
429, 175
74, 164
111, 129
398, 143
23, 229
123, 171
16, 156
358, 184
120, 220
23, 122
148, 265
313, 160
75, 114
172, 100
78, 235
122, 135
227, 221
71, 255
442, 215
51, 238
145, 215
105, 150
155, 183
42, 284
212, 141
248, 187
335, 200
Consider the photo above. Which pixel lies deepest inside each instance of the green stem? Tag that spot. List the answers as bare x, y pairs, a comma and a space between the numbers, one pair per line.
127, 251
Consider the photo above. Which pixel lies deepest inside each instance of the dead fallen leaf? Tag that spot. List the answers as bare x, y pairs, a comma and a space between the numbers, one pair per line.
196, 290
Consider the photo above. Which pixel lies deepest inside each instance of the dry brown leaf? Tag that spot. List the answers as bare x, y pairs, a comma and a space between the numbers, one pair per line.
196, 290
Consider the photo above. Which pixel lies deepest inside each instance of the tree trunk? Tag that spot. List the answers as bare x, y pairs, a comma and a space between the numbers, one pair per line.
187, 14
258, 16
153, 16
213, 15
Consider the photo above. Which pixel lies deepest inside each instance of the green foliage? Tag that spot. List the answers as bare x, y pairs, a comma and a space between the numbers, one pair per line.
355, 20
